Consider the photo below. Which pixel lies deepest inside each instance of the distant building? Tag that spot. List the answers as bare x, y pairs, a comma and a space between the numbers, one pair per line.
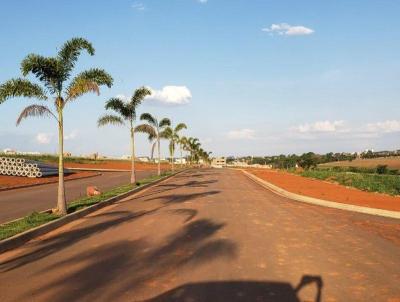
9, 151
218, 162
144, 159
180, 161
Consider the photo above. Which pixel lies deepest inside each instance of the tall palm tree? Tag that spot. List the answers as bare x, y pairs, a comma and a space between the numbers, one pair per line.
172, 134
193, 147
183, 141
126, 116
54, 73
154, 128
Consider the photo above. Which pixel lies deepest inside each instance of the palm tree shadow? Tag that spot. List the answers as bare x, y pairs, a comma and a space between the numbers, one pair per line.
180, 198
54, 244
240, 291
131, 264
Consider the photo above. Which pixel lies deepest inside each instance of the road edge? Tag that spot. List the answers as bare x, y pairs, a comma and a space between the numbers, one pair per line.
19, 239
321, 202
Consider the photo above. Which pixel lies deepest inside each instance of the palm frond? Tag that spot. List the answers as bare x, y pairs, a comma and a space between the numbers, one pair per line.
80, 86
179, 127
118, 106
167, 133
144, 128
71, 50
21, 87
35, 110
139, 95
165, 122
46, 69
110, 119
98, 76
149, 118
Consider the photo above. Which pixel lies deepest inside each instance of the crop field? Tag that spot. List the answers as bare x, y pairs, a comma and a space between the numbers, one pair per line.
371, 182
390, 162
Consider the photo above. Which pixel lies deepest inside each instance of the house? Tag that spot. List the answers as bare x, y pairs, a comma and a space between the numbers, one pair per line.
218, 162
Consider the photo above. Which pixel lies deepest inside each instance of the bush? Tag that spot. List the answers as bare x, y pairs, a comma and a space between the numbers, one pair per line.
381, 169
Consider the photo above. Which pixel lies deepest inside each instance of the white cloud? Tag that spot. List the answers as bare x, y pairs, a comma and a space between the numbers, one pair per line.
389, 126
171, 95
288, 30
202, 1
43, 138
71, 136
320, 126
138, 6
242, 134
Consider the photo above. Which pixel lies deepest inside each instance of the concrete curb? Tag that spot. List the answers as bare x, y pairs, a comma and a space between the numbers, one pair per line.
100, 170
321, 202
20, 239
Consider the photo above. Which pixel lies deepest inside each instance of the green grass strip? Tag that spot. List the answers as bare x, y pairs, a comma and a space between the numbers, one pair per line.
35, 219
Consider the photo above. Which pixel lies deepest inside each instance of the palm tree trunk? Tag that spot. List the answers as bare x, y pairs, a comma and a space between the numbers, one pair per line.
133, 175
172, 159
159, 157
180, 150
61, 202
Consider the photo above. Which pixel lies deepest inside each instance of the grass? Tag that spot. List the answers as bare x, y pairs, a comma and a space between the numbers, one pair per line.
35, 219
371, 182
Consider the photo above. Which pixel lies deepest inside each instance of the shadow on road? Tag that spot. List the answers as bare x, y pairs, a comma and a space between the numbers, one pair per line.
123, 266
180, 198
240, 291
46, 247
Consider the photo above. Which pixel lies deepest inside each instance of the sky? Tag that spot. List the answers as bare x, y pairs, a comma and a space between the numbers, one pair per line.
248, 77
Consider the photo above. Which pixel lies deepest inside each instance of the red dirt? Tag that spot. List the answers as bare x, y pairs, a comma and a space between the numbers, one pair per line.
13, 182
327, 191
117, 165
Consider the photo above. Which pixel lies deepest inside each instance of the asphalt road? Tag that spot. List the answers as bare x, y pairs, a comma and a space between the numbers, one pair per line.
20, 202
209, 235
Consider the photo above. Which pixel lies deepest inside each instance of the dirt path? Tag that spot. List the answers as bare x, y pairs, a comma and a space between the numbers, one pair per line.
210, 235
327, 191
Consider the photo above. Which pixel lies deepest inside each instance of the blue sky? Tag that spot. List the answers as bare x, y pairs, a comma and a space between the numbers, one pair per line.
254, 77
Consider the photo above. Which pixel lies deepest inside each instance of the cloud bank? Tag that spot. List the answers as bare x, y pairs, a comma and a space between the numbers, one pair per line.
242, 134
171, 95
288, 30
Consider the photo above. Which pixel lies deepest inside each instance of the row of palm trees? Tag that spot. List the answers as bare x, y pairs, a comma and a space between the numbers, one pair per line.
61, 88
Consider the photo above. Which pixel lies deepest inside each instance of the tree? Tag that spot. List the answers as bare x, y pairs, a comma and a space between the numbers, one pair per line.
125, 116
172, 134
153, 128
54, 73
183, 141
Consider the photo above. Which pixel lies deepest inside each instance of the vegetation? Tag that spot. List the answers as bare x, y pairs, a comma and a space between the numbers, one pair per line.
35, 219
372, 182
154, 129
172, 134
54, 73
125, 116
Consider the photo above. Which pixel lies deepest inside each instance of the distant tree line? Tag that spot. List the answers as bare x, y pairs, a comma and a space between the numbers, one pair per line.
308, 160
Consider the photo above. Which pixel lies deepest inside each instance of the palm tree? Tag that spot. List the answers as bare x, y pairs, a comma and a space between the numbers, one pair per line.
153, 128
54, 73
183, 141
172, 134
193, 147
126, 116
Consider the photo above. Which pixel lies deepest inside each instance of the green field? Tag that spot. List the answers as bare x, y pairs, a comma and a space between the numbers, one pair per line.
371, 182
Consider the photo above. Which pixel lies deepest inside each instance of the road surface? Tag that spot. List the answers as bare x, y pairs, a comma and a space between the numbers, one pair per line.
21, 202
209, 235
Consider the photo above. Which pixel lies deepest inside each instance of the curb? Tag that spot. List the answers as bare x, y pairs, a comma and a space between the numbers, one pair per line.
100, 170
321, 202
20, 239
47, 183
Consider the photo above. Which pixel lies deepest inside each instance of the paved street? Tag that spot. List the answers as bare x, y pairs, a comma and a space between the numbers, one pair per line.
20, 202
209, 235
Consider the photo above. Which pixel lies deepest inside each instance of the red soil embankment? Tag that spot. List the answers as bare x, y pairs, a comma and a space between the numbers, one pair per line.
13, 182
327, 191
117, 165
